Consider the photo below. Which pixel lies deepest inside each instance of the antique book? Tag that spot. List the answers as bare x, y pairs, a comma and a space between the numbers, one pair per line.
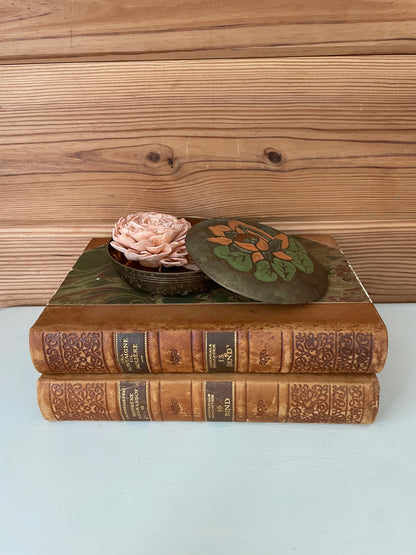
97, 324
332, 398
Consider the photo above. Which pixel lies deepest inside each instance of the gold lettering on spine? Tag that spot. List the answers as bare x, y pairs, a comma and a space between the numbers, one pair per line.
125, 350
219, 401
123, 400
220, 351
211, 354
227, 406
130, 350
209, 404
134, 400
228, 356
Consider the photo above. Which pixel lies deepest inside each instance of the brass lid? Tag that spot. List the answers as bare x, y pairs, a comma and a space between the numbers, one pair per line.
256, 261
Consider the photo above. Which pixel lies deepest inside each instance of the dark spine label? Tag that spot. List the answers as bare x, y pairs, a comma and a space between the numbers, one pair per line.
131, 352
133, 400
220, 351
219, 401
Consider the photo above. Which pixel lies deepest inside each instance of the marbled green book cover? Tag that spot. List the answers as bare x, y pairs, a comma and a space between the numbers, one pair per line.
93, 281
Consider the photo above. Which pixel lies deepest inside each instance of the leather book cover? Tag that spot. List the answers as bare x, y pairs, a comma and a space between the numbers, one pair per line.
97, 324
325, 398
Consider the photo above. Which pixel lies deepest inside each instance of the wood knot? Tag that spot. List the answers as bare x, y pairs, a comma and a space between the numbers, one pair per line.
153, 156
273, 156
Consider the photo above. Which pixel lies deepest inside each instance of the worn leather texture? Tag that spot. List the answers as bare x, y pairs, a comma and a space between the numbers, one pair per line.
322, 398
338, 335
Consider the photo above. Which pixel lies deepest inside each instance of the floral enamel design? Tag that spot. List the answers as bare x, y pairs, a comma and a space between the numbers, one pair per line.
248, 248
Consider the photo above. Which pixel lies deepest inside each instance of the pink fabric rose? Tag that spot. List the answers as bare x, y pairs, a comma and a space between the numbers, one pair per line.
152, 239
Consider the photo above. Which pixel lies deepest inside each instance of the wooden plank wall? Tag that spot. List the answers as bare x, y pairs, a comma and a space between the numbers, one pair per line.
161, 29
101, 115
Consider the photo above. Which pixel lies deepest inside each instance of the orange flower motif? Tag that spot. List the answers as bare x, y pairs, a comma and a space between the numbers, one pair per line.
251, 239
220, 231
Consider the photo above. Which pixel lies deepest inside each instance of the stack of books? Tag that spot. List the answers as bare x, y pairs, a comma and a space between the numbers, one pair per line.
109, 352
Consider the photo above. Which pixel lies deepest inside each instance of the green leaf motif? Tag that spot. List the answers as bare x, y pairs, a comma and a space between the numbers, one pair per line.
237, 260
302, 262
264, 272
286, 270
294, 246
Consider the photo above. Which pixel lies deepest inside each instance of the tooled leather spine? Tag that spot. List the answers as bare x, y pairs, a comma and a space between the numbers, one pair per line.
241, 398
268, 350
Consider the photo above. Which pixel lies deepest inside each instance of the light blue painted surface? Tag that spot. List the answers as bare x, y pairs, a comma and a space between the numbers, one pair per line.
197, 488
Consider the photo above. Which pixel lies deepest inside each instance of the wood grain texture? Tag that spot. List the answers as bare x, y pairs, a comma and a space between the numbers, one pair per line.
120, 29
323, 144
35, 259
322, 137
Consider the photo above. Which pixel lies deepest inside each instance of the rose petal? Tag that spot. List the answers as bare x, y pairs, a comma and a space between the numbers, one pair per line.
192, 266
131, 255
151, 260
153, 238
173, 262
117, 246
163, 250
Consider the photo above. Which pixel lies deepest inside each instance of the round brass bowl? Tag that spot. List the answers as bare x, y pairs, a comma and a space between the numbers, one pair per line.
169, 281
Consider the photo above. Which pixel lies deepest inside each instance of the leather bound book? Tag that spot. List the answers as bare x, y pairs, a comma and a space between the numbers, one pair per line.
97, 324
326, 398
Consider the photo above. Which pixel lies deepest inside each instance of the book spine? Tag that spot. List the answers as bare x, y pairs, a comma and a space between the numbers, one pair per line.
240, 398
267, 350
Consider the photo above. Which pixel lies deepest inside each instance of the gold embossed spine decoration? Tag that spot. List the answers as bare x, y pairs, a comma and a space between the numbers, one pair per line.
176, 399
326, 398
77, 333
275, 339
175, 347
